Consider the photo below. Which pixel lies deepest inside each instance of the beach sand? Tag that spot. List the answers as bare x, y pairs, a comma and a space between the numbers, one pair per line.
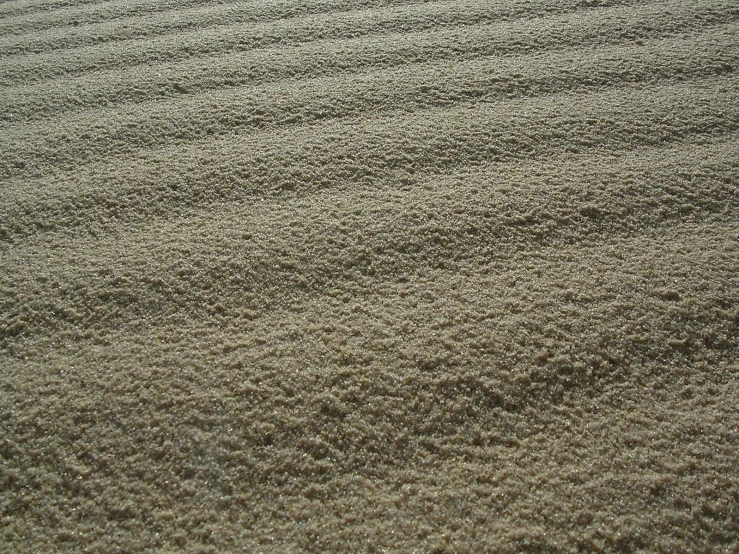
369, 276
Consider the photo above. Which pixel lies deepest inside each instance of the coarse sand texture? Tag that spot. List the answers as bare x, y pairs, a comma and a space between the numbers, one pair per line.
369, 276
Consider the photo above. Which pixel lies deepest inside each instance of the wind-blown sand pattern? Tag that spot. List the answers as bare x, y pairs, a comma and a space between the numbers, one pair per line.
369, 276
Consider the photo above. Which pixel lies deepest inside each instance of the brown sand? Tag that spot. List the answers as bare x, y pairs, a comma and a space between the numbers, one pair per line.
369, 275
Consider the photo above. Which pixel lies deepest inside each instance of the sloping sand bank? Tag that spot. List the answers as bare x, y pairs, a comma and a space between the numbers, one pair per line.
369, 275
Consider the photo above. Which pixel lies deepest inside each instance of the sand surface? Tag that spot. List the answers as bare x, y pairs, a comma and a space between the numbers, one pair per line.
369, 276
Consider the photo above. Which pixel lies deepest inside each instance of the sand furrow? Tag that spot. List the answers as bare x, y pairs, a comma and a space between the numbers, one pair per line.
13, 8
75, 12
86, 137
35, 68
234, 76
173, 21
360, 150
462, 222
177, 21
325, 58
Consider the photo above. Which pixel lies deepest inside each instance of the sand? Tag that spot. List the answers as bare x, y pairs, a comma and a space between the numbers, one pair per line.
369, 276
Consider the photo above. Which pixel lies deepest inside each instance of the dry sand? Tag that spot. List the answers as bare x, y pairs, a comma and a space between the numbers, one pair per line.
369, 275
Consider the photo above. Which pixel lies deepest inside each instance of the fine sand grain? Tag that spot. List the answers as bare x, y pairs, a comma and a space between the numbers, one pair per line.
369, 276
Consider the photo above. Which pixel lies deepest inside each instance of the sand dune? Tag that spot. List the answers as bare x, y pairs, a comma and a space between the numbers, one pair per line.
369, 275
